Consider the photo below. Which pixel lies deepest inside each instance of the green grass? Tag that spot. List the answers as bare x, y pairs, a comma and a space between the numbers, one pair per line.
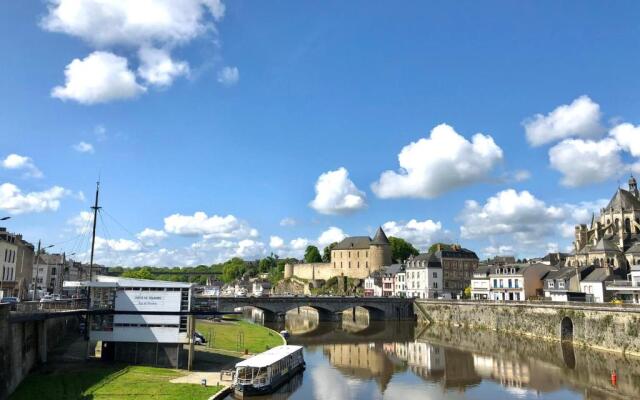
109, 382
225, 336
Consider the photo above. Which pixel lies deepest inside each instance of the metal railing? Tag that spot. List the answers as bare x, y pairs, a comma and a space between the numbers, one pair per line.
58, 305
623, 283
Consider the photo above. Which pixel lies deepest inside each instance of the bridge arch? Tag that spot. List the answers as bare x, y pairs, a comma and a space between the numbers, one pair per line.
375, 313
566, 329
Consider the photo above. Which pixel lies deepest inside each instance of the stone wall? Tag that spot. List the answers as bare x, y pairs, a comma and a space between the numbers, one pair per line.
326, 271
24, 344
605, 327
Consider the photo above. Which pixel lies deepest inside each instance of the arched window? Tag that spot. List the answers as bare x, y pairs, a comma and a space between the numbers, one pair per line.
597, 262
617, 224
627, 225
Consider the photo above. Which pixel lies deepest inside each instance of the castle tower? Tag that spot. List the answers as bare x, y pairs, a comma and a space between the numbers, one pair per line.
379, 251
633, 187
288, 271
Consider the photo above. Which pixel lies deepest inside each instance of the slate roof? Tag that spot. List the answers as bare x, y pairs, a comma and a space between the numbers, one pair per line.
605, 245
635, 248
599, 275
393, 269
380, 237
457, 253
623, 199
354, 242
433, 261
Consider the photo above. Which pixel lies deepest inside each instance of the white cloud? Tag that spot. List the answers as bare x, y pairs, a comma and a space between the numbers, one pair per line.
288, 222
98, 78
500, 250
299, 244
105, 23
84, 147
435, 165
82, 222
628, 137
333, 234
26, 164
14, 201
521, 175
337, 194
117, 245
154, 28
276, 242
580, 118
419, 233
586, 161
151, 237
509, 212
157, 67
214, 227
228, 76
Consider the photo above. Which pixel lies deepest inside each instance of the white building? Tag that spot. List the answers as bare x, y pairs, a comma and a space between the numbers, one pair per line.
480, 284
627, 290
261, 288
48, 271
373, 284
517, 282
424, 276
146, 339
400, 284
8, 252
593, 286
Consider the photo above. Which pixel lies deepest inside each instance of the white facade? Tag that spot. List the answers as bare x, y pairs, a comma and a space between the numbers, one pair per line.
400, 284
373, 286
629, 290
593, 291
8, 252
124, 294
424, 282
480, 284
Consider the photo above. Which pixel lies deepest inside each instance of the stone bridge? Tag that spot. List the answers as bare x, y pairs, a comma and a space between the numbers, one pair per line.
329, 308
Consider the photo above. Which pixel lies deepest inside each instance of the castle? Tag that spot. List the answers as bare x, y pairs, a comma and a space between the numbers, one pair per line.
613, 239
353, 257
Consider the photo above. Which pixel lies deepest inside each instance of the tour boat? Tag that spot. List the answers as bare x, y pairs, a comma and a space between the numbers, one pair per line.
264, 373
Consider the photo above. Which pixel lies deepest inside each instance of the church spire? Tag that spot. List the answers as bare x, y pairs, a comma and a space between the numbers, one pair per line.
633, 186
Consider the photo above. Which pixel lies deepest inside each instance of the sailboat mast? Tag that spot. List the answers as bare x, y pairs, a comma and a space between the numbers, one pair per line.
95, 209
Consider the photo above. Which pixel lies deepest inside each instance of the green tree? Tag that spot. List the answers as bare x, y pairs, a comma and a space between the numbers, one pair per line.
312, 255
326, 254
467, 292
443, 246
139, 273
401, 249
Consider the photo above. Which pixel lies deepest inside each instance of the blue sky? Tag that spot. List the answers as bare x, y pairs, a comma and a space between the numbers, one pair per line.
245, 112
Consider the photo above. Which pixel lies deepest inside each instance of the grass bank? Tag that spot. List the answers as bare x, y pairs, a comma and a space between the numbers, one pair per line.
110, 382
238, 336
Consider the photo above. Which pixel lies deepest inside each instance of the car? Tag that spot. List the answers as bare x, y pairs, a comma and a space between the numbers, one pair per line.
47, 298
198, 338
11, 300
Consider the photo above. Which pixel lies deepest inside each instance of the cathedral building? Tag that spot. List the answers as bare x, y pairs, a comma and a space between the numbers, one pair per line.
613, 238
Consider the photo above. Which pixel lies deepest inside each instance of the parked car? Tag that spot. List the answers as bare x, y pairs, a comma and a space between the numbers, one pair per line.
11, 300
198, 338
47, 298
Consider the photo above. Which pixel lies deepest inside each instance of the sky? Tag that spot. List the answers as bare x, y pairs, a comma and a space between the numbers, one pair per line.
221, 129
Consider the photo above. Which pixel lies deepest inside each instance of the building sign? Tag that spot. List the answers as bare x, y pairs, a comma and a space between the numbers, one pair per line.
148, 300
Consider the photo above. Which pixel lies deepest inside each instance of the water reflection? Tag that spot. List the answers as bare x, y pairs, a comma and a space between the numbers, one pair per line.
395, 360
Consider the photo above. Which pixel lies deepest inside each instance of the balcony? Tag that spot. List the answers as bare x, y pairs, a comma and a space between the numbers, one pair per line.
623, 285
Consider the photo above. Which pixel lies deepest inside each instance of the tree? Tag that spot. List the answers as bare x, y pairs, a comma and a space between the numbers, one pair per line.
443, 246
401, 249
142, 273
326, 254
467, 292
312, 255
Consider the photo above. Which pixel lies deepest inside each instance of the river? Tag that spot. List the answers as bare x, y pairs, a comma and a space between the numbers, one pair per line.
356, 359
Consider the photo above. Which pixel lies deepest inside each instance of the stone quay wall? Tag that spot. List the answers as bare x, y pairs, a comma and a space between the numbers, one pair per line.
605, 327
25, 344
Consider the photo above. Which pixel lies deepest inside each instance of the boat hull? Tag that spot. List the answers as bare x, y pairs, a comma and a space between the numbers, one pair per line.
246, 391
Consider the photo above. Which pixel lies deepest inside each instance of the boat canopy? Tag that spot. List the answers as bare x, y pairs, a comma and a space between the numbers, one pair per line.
269, 357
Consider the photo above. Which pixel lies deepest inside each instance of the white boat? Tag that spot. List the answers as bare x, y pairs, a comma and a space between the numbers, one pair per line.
265, 372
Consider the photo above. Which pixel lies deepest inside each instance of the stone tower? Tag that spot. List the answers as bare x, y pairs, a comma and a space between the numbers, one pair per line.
288, 271
379, 251
633, 187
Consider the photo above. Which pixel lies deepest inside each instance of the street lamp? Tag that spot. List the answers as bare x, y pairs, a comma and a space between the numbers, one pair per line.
4, 218
37, 257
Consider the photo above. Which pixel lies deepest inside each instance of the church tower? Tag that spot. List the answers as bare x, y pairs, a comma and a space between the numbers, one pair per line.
633, 187
379, 251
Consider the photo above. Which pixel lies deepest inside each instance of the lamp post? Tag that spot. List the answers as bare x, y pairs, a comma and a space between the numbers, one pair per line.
4, 218
37, 258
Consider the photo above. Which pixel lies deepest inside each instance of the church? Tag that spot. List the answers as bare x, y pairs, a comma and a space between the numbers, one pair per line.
613, 238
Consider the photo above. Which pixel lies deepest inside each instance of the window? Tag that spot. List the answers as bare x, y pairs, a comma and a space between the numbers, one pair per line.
435, 274
550, 284
510, 283
501, 283
561, 284
517, 283
495, 283
435, 285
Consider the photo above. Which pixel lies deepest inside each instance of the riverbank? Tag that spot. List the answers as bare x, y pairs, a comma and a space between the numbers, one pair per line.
602, 327
237, 336
100, 381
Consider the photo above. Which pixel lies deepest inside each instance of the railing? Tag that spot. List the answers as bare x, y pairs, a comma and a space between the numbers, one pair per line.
58, 305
